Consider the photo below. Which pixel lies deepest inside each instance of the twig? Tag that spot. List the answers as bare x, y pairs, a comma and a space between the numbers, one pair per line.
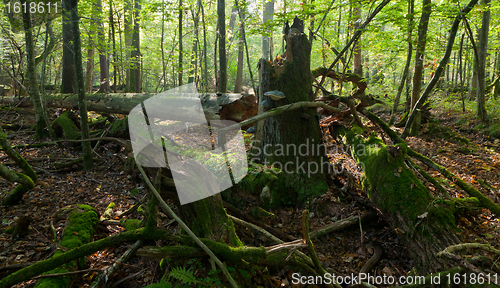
128, 278
67, 273
110, 270
172, 214
310, 248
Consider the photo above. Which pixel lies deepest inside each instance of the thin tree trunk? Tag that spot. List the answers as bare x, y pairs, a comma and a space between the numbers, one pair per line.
461, 71
128, 34
82, 104
194, 57
239, 70
205, 60
48, 31
358, 67
439, 70
68, 81
266, 40
419, 61
163, 64
180, 43
481, 63
115, 56
242, 18
221, 29
101, 48
89, 72
411, 9
33, 83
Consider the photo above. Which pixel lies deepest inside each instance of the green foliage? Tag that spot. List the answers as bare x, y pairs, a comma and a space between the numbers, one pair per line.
494, 130
183, 275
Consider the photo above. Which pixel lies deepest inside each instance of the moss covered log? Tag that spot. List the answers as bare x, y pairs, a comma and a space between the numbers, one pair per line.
26, 182
423, 224
80, 229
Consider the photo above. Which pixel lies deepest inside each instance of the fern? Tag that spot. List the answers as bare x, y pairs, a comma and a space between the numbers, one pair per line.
181, 274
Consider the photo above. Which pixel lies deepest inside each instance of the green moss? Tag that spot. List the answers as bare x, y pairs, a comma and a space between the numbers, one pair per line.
480, 126
494, 130
462, 122
63, 124
9, 230
131, 224
119, 129
57, 282
259, 213
81, 226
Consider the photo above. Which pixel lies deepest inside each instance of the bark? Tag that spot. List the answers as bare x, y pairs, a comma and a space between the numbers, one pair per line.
439, 69
80, 228
403, 200
406, 70
33, 83
221, 29
163, 63
135, 54
89, 71
241, 46
194, 56
481, 63
266, 40
101, 47
180, 43
358, 67
128, 31
68, 81
298, 128
205, 59
82, 104
26, 181
115, 56
123, 103
419, 62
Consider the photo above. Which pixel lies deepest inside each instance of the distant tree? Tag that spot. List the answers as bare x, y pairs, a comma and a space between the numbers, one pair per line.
180, 43
82, 104
481, 63
356, 17
221, 30
101, 47
419, 61
406, 70
68, 84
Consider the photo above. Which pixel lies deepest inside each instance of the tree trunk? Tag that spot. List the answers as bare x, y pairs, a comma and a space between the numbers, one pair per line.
194, 57
135, 54
205, 59
241, 46
115, 56
25, 181
221, 29
180, 44
404, 201
481, 65
89, 72
419, 62
298, 129
406, 70
101, 47
123, 103
356, 16
68, 81
128, 32
82, 104
266, 40
80, 229
33, 83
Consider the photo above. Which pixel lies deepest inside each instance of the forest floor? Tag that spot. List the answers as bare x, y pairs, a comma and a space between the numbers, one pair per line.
472, 156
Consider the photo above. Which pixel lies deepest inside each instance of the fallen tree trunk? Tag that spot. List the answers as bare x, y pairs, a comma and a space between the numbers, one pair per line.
81, 225
26, 181
425, 227
123, 103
